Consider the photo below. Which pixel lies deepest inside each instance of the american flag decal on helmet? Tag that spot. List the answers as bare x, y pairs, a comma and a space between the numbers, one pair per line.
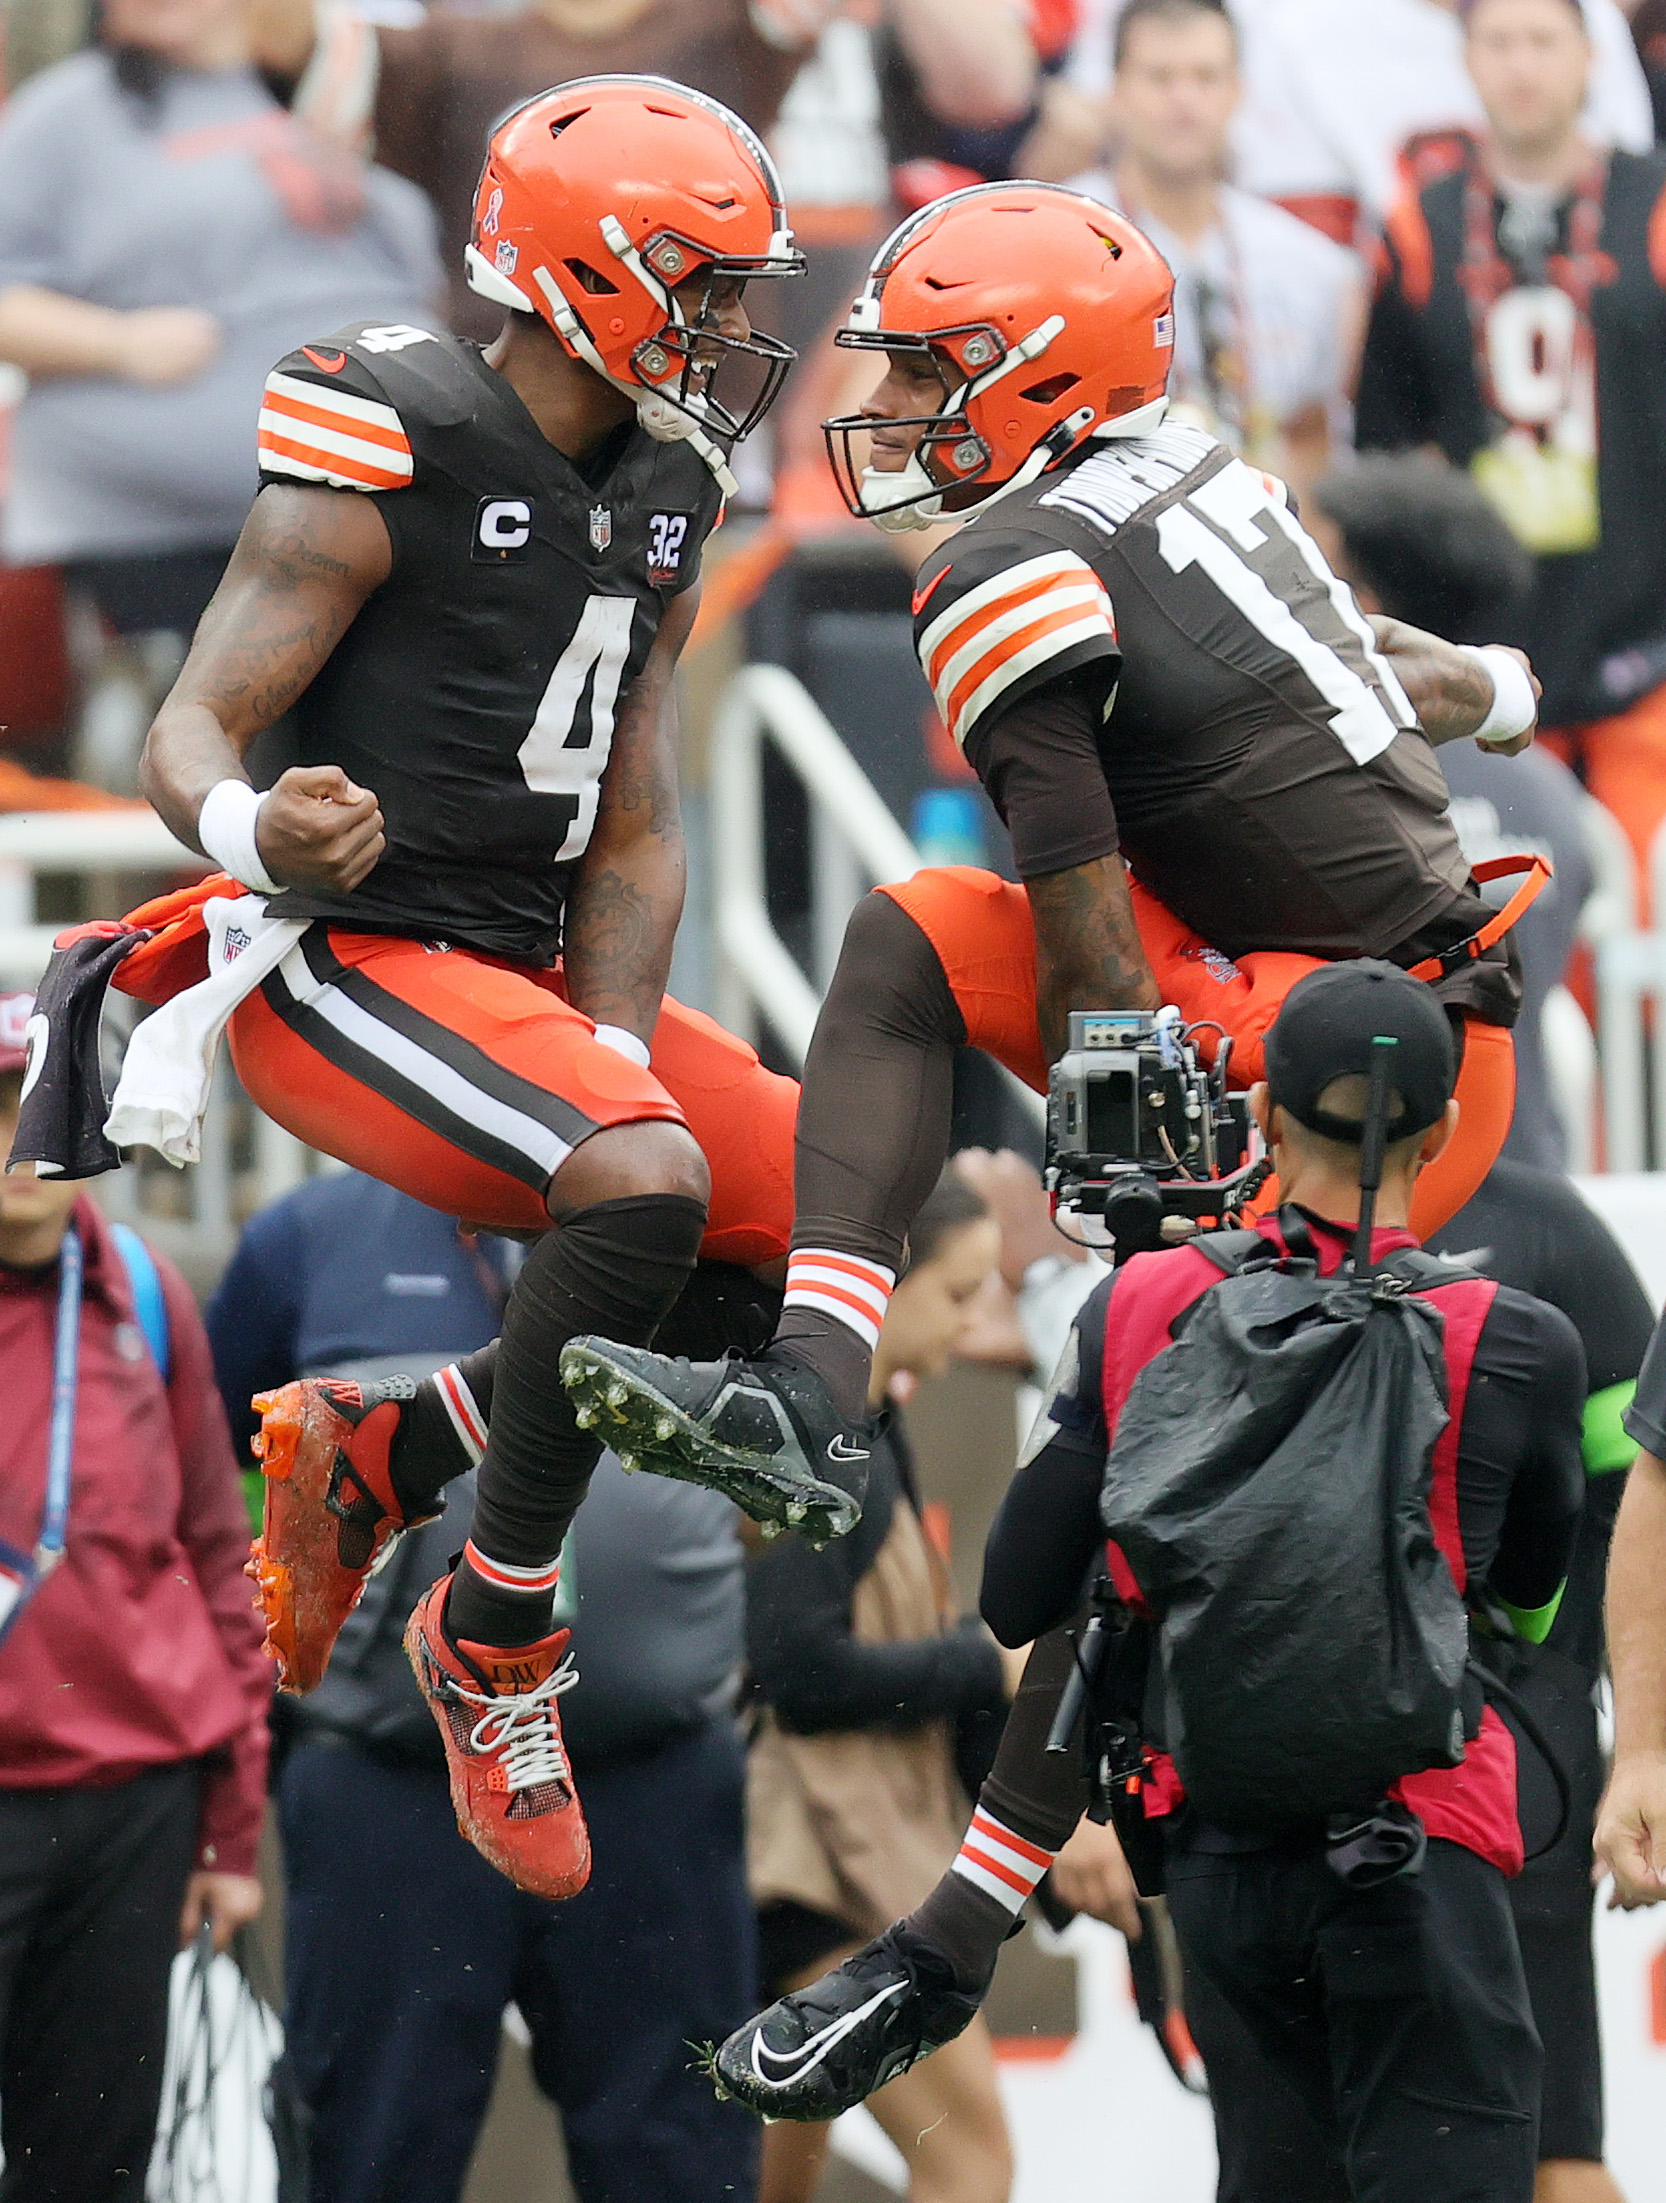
319, 434
1002, 631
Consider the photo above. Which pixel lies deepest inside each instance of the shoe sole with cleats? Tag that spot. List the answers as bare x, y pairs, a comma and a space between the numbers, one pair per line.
303, 1591
648, 1431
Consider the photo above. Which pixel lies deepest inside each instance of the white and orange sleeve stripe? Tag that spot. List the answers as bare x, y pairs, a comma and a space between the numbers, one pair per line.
847, 1286
321, 435
1003, 630
1004, 1865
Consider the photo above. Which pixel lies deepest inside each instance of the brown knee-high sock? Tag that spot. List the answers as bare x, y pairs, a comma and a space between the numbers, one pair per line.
1026, 1812
614, 1268
873, 1126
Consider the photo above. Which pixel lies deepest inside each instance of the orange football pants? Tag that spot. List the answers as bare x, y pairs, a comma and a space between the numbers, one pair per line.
982, 931
465, 1081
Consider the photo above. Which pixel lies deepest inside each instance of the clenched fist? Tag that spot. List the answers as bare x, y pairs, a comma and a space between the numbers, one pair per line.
318, 829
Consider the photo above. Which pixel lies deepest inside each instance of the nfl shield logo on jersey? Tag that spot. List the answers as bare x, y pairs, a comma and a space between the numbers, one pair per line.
601, 527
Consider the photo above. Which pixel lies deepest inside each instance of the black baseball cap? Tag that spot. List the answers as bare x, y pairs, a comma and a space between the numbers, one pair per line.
1326, 1031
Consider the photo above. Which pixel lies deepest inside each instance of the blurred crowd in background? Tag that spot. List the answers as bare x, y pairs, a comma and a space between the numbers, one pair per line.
1420, 252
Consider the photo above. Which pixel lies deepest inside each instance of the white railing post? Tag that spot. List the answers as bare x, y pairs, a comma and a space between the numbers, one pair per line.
854, 842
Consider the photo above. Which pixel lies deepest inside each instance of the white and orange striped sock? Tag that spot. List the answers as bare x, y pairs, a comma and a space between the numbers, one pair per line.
501, 1603
1003, 1864
462, 1412
847, 1287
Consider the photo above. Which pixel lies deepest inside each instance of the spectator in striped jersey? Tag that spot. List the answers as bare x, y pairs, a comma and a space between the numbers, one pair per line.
167, 230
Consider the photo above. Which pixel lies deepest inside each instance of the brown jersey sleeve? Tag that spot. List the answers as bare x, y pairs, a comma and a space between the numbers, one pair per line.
1040, 762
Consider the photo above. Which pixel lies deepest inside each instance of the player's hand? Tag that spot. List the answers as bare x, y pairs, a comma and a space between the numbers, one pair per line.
1631, 1831
1091, 1875
165, 344
319, 829
1512, 745
226, 1901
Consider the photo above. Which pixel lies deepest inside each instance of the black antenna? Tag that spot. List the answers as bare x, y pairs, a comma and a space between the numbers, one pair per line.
1372, 1143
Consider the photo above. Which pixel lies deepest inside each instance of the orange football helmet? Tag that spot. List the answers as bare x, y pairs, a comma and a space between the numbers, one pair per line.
598, 200
1049, 318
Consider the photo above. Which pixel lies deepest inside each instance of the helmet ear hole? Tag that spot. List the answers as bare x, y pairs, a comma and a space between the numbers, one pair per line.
1050, 391
591, 279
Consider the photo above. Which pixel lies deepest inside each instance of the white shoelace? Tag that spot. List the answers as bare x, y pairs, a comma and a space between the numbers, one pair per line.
522, 1729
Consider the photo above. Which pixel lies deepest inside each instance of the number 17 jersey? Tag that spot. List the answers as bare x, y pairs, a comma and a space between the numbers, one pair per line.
1144, 650
477, 690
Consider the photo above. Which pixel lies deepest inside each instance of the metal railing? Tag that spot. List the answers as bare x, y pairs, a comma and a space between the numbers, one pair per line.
854, 844
1631, 999
102, 846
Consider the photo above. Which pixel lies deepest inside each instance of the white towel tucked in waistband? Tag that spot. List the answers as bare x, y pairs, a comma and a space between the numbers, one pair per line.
165, 1079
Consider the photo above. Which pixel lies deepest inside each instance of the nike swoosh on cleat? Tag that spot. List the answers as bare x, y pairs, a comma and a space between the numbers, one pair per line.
803, 2061
330, 366
922, 597
837, 1450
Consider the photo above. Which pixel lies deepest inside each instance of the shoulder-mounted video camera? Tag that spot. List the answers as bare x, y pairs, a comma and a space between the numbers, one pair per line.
1140, 1129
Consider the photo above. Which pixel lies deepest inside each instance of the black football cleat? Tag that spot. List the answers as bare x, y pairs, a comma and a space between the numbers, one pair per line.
764, 1433
824, 2049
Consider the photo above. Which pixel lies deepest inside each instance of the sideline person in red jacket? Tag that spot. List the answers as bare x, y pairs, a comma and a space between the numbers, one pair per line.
133, 1688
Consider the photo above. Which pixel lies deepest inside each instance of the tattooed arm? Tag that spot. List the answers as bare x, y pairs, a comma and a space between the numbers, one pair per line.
1088, 954
304, 564
627, 895
1450, 693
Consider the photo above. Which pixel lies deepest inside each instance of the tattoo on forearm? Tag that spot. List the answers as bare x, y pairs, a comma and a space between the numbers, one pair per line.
1089, 955
1450, 693
641, 783
259, 676
615, 950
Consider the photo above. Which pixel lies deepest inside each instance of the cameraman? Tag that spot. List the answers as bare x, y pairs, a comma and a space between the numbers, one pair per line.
1399, 2012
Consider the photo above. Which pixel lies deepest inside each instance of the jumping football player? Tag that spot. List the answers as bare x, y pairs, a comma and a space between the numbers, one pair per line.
1144, 656
469, 575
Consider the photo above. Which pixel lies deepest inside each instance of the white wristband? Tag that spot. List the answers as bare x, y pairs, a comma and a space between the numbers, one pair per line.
1514, 707
226, 829
623, 1043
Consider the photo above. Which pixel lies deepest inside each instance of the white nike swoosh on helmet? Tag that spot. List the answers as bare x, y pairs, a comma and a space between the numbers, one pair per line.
808, 2055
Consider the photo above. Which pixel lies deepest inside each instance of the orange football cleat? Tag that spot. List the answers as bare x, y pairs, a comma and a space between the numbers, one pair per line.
511, 1785
331, 1514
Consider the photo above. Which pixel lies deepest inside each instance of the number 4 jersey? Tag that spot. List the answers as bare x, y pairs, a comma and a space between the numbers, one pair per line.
477, 689
1145, 651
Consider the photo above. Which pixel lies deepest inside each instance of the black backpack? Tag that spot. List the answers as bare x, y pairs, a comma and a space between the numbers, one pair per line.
1269, 1487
